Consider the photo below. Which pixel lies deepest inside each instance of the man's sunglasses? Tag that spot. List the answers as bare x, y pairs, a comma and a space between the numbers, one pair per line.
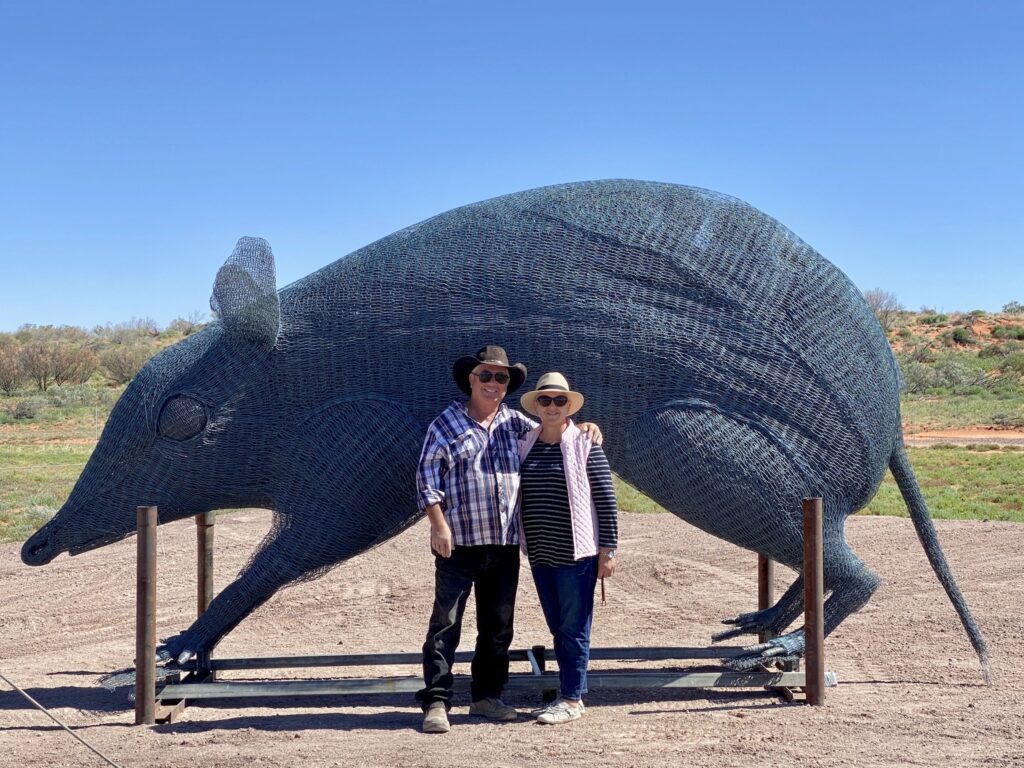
485, 376
544, 401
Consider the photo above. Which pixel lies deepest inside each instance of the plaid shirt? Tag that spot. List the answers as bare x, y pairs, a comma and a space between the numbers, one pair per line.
473, 473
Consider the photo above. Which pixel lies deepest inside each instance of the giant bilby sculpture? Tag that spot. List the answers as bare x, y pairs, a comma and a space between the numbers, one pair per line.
732, 368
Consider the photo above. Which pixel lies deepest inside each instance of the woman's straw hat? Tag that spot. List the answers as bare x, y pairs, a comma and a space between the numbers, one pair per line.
552, 384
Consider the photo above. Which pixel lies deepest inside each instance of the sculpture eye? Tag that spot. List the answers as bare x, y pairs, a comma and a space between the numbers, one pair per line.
181, 418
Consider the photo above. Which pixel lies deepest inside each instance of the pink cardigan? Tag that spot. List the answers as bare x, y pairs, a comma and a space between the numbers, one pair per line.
583, 516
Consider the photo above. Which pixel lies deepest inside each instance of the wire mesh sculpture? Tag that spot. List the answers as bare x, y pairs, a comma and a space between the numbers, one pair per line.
732, 368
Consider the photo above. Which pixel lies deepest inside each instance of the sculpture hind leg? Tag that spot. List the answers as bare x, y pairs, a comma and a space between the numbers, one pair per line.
731, 477
773, 620
739, 480
850, 584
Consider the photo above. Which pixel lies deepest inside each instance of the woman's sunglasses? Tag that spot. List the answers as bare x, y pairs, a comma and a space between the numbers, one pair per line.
485, 376
544, 401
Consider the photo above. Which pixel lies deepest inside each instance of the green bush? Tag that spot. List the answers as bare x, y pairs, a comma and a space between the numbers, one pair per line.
936, 319
922, 353
917, 377
26, 409
1008, 332
1013, 363
1007, 420
1000, 350
961, 336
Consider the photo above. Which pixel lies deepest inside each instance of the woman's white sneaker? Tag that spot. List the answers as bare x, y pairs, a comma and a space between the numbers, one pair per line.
560, 712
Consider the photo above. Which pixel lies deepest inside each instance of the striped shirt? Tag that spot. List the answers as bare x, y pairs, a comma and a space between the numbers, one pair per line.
546, 518
473, 473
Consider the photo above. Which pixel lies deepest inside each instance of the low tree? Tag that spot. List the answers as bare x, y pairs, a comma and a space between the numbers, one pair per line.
885, 305
36, 360
72, 363
10, 369
123, 361
1013, 308
187, 325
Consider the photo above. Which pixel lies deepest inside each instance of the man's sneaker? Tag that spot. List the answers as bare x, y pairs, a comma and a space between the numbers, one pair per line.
435, 719
560, 712
493, 709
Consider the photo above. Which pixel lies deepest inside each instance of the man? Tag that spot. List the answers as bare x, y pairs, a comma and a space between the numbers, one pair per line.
468, 485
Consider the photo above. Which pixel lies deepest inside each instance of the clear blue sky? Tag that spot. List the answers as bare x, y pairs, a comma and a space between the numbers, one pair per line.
138, 141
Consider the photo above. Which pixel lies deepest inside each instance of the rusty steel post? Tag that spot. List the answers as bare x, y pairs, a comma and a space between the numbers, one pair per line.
765, 590
145, 617
814, 615
204, 561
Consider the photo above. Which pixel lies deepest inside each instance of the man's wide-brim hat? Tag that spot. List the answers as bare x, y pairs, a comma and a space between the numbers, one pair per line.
489, 355
551, 384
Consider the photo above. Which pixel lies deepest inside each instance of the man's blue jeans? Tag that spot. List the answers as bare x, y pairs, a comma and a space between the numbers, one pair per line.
566, 595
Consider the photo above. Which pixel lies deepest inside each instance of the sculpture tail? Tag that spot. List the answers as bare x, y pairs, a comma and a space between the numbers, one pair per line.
901, 470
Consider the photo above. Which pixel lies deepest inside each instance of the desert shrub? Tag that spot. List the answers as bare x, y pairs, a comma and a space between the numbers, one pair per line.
186, 326
136, 329
76, 395
961, 336
904, 333
922, 353
885, 305
917, 377
934, 319
72, 363
122, 362
10, 369
953, 374
35, 359
28, 408
977, 313
1013, 308
1008, 332
947, 374
1014, 363
1000, 350
1007, 420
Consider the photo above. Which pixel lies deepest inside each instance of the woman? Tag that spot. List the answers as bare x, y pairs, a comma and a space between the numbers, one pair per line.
569, 521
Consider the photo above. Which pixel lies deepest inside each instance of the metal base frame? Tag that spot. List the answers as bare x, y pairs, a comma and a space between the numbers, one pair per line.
200, 681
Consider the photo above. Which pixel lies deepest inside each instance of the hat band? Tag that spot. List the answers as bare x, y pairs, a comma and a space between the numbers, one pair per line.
552, 386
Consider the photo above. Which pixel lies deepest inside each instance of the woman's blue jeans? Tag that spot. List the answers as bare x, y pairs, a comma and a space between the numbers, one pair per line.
566, 595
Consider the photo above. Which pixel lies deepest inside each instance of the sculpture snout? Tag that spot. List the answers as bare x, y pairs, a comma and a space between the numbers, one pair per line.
38, 550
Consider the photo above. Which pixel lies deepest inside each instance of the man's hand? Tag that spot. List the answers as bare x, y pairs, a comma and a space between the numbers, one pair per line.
440, 533
605, 563
591, 430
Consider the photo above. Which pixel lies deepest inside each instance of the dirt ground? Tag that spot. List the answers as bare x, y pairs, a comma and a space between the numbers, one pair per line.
910, 691
961, 437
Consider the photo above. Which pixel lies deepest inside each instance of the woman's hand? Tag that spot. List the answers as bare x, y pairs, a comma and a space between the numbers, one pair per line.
605, 563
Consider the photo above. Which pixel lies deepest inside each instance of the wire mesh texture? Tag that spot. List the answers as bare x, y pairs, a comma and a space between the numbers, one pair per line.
732, 369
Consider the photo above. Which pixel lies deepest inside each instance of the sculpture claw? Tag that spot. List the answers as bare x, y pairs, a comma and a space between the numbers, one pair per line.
744, 624
177, 650
779, 649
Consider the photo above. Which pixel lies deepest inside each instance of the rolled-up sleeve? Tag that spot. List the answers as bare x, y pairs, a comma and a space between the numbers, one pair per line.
431, 472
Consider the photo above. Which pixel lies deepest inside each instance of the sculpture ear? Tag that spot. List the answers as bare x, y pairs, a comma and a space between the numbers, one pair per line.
245, 293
